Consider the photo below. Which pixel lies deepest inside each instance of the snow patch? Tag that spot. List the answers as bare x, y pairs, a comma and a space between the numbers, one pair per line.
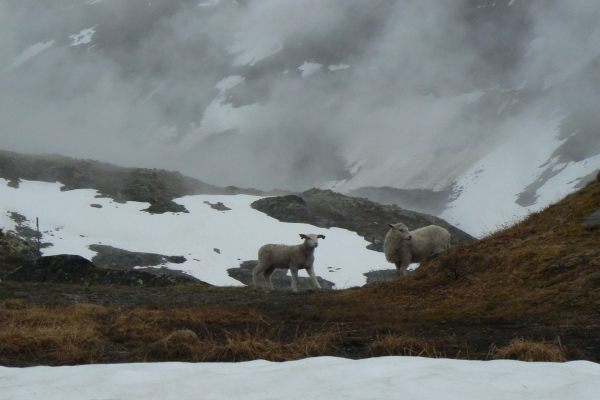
84, 36
209, 3
228, 83
29, 54
253, 48
309, 68
334, 68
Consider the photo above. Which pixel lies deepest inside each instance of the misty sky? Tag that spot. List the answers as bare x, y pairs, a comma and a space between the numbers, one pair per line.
294, 93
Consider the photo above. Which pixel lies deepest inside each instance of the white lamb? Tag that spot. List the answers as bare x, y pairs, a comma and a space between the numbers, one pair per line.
402, 247
301, 256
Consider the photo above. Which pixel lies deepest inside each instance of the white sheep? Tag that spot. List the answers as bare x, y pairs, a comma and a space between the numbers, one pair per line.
301, 256
402, 247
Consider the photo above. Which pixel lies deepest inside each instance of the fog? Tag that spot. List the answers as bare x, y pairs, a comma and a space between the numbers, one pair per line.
406, 92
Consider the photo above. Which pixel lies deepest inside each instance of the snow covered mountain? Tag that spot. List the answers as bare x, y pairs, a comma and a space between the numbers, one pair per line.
486, 107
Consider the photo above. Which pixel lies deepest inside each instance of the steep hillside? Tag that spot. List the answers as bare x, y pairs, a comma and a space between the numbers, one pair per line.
546, 266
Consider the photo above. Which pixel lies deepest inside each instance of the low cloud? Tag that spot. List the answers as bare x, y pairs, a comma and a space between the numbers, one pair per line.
393, 85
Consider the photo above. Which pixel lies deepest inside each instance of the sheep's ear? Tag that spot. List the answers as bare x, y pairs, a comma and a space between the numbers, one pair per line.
303, 236
321, 236
391, 226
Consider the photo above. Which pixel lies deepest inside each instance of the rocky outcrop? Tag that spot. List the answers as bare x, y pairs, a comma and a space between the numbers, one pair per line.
154, 186
219, 206
73, 269
380, 276
111, 257
289, 208
281, 280
326, 209
15, 249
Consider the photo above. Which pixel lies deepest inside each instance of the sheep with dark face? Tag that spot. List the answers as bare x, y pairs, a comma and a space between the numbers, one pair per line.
294, 258
403, 247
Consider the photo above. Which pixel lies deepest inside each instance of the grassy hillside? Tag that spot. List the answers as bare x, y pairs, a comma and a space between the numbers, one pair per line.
529, 291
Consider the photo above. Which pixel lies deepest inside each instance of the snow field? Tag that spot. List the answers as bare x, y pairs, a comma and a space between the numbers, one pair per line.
313, 378
237, 234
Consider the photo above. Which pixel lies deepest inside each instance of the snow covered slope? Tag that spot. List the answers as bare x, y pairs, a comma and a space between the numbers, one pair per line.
212, 241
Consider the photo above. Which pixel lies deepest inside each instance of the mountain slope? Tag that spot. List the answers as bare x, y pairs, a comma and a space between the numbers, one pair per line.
139, 218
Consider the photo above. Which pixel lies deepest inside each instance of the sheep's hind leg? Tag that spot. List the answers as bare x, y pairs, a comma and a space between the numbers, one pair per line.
259, 269
267, 276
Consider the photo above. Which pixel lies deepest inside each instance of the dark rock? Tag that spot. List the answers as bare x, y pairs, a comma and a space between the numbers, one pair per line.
380, 276
290, 208
280, 278
161, 207
96, 205
218, 206
111, 257
73, 269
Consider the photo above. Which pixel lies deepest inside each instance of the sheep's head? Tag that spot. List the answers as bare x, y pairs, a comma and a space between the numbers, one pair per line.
311, 240
401, 230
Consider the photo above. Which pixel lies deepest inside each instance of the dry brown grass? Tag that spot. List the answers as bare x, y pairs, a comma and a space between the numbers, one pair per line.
238, 346
72, 336
403, 345
84, 333
529, 350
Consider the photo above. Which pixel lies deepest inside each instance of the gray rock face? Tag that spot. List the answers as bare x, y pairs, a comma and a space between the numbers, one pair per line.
280, 278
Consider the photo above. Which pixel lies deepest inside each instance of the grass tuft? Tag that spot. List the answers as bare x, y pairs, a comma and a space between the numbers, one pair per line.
390, 345
529, 350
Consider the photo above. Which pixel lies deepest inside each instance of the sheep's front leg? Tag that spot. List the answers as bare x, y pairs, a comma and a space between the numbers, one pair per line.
402, 269
294, 273
403, 264
313, 278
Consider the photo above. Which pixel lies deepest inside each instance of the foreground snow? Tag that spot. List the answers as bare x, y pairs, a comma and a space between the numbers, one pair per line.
212, 241
313, 378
